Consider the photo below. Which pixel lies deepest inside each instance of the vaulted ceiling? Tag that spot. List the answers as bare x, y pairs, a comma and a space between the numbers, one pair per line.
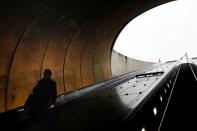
73, 38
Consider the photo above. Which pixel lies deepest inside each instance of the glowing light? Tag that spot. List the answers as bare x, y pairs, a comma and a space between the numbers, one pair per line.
155, 111
161, 99
165, 91
143, 129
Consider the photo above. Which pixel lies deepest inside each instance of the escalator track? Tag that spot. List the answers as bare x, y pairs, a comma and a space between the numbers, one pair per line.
182, 110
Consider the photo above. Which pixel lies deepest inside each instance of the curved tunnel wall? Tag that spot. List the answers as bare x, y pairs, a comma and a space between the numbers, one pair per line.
121, 64
73, 38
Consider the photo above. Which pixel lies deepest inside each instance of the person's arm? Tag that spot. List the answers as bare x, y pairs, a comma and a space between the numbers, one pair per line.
36, 88
54, 94
30, 97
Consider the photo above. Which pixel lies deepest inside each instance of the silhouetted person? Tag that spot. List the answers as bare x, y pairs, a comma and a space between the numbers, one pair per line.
43, 96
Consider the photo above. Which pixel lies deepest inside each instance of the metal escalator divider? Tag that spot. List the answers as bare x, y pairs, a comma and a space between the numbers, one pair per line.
192, 68
163, 117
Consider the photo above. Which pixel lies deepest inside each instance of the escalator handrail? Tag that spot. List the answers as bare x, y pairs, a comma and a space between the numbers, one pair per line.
74, 96
149, 94
193, 62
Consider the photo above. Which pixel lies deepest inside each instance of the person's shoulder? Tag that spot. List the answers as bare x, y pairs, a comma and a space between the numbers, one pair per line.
52, 81
40, 81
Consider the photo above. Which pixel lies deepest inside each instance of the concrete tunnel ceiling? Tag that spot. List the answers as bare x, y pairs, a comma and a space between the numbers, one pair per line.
71, 37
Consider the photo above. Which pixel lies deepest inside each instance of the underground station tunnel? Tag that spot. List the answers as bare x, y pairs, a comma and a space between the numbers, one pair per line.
97, 87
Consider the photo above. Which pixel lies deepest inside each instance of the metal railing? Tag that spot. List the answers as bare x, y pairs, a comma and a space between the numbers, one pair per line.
194, 63
144, 112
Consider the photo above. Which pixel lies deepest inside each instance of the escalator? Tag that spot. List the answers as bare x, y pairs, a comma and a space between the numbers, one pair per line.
126, 102
181, 113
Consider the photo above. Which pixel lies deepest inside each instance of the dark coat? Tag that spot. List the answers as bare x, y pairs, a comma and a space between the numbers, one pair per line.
43, 96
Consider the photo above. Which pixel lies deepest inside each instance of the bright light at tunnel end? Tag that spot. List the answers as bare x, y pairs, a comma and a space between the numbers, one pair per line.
166, 32
143, 129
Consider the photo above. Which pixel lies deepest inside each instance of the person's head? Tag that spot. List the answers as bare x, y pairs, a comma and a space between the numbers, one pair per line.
47, 73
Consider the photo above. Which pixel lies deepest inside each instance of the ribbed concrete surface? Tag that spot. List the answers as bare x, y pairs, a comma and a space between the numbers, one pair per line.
71, 37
